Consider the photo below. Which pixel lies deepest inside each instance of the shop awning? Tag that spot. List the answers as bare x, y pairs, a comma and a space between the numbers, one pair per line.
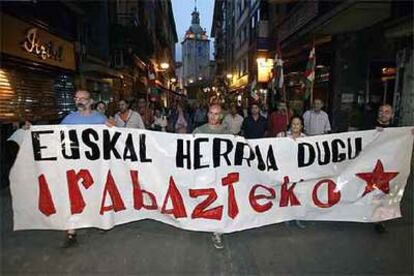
358, 16
347, 16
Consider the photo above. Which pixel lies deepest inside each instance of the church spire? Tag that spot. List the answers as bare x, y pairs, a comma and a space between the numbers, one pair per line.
195, 30
195, 20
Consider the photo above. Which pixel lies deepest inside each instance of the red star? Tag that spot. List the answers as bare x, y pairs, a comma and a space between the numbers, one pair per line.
377, 179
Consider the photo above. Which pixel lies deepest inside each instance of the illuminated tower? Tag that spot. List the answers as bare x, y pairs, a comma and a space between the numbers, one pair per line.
195, 53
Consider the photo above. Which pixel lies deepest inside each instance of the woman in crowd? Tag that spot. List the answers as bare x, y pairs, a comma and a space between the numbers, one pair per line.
101, 107
160, 121
181, 122
295, 131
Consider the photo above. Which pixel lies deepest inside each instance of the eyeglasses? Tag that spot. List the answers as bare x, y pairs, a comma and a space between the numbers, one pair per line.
81, 99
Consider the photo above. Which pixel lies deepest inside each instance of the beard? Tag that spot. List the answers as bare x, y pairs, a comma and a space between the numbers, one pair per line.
80, 106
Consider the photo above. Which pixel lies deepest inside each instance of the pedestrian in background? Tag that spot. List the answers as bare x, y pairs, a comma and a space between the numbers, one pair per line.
255, 125
160, 121
147, 114
316, 120
278, 120
181, 121
200, 115
127, 117
233, 121
101, 107
265, 111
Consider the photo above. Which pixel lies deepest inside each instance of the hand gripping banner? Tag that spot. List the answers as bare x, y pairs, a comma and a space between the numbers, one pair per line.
70, 177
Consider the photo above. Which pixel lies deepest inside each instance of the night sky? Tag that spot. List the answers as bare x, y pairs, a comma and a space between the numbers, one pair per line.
182, 14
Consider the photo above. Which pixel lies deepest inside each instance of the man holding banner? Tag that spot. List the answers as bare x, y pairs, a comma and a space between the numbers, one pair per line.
84, 116
214, 126
82, 176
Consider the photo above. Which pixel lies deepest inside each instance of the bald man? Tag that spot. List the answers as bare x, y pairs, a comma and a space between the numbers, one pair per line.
214, 126
385, 116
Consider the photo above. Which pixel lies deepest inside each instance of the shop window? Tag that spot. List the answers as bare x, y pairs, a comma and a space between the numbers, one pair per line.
35, 95
65, 90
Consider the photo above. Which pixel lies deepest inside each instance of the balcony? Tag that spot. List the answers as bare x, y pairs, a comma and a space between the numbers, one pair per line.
130, 34
262, 36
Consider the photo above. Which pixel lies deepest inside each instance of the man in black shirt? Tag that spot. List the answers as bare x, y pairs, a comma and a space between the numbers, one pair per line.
255, 125
384, 119
385, 116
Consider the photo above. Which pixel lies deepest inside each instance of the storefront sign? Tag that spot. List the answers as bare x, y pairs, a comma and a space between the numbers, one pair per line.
347, 98
25, 41
264, 69
70, 177
32, 44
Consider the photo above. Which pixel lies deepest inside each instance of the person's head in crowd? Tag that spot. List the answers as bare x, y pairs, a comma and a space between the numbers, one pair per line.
317, 105
385, 114
142, 103
296, 125
123, 105
101, 107
255, 109
157, 112
233, 109
214, 115
281, 107
180, 107
83, 100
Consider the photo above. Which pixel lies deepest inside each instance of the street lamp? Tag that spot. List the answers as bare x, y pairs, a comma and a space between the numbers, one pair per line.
173, 80
164, 66
229, 76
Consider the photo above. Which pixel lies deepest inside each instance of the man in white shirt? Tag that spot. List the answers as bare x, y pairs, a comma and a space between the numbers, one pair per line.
233, 121
316, 120
127, 117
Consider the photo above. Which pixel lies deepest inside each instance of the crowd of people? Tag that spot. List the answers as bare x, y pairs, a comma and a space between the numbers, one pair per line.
214, 119
254, 123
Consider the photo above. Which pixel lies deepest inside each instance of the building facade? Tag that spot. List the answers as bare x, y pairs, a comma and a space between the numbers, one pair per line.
240, 29
114, 49
363, 53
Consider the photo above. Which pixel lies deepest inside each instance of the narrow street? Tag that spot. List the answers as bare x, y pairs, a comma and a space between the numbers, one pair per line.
292, 119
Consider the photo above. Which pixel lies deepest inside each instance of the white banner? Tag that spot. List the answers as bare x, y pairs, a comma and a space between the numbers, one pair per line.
70, 177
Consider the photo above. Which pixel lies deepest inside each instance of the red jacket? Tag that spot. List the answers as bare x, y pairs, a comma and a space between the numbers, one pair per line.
278, 122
